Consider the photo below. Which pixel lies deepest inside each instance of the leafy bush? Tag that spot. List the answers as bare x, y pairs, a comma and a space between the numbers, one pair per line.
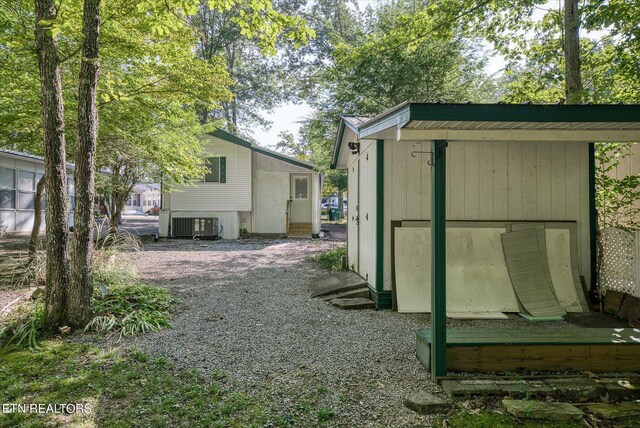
130, 309
330, 259
121, 304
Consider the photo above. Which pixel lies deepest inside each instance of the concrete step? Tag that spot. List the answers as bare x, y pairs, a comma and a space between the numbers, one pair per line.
353, 303
531, 409
335, 282
577, 389
358, 292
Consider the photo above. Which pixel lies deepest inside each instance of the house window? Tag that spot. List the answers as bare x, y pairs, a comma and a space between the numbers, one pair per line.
217, 170
71, 188
26, 190
40, 176
7, 188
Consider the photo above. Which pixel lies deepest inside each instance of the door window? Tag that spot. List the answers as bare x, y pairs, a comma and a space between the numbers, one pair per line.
301, 188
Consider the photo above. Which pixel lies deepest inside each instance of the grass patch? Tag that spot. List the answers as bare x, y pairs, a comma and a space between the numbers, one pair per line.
125, 388
330, 259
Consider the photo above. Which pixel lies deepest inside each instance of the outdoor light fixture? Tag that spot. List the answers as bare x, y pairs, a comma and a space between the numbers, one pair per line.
354, 147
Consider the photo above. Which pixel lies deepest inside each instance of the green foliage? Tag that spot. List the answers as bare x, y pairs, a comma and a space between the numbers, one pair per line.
121, 304
130, 310
23, 327
150, 80
488, 419
373, 65
325, 414
330, 259
259, 82
616, 198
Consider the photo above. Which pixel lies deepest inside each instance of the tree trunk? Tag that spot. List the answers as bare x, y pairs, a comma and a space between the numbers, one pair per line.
37, 220
341, 203
57, 271
573, 77
81, 289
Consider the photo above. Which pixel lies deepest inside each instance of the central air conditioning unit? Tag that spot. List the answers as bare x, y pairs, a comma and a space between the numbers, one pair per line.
188, 227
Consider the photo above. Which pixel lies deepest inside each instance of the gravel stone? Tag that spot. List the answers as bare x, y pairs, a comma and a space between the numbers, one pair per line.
244, 308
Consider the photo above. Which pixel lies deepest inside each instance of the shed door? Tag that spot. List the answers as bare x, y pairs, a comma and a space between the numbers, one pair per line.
353, 216
300, 210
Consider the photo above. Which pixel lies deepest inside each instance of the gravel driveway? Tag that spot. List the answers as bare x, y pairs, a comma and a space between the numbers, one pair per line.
244, 308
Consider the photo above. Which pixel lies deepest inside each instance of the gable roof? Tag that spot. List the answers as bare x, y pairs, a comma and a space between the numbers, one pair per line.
226, 136
497, 122
347, 122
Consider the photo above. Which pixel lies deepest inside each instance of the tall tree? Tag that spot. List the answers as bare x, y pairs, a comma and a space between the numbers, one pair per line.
81, 287
259, 80
57, 275
572, 64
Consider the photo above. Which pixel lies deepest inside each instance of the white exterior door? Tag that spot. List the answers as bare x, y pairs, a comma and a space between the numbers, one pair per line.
300, 197
352, 215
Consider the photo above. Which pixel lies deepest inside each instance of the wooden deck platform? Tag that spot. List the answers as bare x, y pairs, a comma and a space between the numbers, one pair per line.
525, 350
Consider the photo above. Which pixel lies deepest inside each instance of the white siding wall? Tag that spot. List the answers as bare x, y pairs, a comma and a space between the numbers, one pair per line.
316, 194
524, 181
234, 195
271, 181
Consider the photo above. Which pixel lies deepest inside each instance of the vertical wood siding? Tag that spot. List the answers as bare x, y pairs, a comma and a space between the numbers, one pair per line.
524, 181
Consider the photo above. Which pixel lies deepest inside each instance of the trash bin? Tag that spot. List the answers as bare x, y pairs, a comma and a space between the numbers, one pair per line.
334, 214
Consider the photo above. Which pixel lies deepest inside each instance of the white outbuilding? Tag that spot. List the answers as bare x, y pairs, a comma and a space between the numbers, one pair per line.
250, 189
19, 175
505, 164
481, 209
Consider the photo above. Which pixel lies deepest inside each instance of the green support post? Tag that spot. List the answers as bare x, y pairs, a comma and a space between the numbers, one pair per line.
438, 260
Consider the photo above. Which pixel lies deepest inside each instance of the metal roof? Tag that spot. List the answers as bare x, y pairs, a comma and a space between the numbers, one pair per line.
355, 121
504, 116
22, 155
497, 122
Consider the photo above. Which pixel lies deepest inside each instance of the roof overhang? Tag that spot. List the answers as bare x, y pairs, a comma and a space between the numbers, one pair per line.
347, 131
12, 154
505, 122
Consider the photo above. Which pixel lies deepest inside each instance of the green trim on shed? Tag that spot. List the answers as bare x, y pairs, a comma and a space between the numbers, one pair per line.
380, 215
382, 298
438, 259
336, 150
542, 113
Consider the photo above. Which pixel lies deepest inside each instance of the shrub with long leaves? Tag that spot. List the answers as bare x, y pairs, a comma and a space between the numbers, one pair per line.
23, 327
130, 310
